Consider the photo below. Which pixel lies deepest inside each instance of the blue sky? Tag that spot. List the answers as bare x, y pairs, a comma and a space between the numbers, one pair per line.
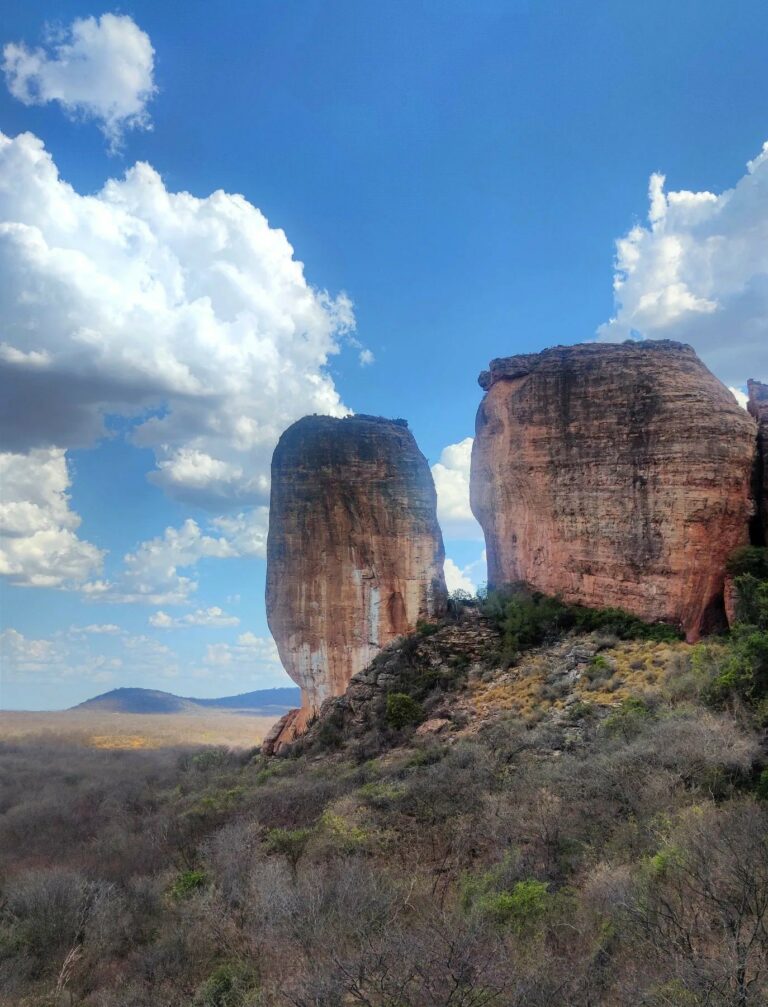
454, 175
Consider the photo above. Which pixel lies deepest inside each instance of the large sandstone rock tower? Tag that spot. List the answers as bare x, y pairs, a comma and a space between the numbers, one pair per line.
614, 475
354, 554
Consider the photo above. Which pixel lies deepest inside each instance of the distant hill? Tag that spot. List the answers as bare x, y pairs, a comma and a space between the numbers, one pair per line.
262, 701
138, 701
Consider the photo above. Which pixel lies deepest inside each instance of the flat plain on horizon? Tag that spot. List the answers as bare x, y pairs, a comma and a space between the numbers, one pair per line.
98, 729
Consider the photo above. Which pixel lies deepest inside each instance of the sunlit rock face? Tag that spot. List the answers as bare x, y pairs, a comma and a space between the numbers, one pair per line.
614, 475
758, 407
354, 554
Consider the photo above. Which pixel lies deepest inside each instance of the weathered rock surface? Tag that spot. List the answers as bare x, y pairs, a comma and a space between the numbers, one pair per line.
457, 651
614, 475
758, 407
354, 554
284, 731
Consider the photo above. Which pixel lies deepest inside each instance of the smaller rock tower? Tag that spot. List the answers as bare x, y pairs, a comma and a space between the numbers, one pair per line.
354, 554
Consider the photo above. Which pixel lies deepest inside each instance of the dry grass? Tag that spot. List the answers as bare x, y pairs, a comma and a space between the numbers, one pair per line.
141, 730
536, 683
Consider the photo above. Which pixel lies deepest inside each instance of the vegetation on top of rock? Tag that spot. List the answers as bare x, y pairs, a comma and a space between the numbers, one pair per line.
527, 618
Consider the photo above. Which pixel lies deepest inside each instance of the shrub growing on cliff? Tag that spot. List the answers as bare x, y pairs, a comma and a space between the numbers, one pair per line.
528, 618
743, 663
403, 710
752, 601
749, 559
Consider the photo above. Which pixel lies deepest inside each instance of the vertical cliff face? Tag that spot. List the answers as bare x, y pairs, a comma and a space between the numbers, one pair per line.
614, 475
758, 407
355, 554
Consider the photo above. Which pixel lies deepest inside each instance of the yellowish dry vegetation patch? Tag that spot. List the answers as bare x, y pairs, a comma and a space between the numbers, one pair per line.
139, 730
537, 683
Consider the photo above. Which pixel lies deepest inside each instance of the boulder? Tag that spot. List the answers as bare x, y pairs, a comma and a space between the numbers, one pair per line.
614, 475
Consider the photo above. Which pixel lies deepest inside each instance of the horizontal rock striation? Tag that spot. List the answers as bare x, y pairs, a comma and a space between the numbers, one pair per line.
758, 407
614, 475
354, 553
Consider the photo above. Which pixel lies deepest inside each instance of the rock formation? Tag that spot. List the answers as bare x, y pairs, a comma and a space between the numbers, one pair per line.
354, 554
614, 475
758, 407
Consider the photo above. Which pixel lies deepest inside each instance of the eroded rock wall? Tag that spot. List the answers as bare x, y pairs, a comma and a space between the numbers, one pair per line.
354, 554
614, 475
758, 407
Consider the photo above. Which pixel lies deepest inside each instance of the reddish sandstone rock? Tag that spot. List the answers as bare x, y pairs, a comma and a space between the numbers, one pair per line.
287, 729
354, 554
758, 407
614, 475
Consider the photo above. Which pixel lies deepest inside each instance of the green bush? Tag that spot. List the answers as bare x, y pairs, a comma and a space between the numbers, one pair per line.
424, 628
290, 843
751, 601
188, 882
628, 720
520, 910
528, 618
519, 906
403, 710
228, 986
749, 559
761, 788
330, 733
743, 665
744, 669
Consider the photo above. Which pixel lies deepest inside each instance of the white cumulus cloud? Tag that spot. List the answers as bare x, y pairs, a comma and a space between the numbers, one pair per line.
451, 475
456, 579
741, 396
190, 314
39, 545
467, 578
698, 272
152, 574
250, 651
49, 660
101, 629
213, 617
99, 68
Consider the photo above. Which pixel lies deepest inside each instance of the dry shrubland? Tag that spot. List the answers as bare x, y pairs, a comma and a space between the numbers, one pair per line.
136, 730
607, 848
511, 867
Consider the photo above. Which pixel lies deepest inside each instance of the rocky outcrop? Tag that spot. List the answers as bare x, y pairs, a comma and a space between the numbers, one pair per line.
354, 554
284, 731
614, 475
434, 666
758, 407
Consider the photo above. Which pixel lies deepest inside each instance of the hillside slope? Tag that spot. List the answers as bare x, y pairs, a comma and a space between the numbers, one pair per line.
524, 806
